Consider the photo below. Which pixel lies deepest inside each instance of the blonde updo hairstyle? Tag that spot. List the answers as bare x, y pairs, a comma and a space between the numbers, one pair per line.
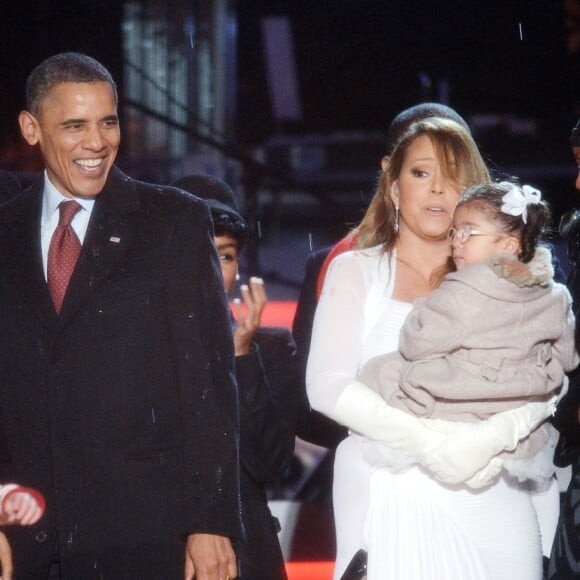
460, 161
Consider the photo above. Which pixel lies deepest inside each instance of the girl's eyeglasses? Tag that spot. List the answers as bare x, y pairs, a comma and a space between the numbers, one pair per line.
463, 233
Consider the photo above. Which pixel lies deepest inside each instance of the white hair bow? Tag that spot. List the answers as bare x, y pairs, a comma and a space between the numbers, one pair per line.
516, 200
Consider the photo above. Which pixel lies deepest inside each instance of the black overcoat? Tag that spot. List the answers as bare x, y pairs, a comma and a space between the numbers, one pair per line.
269, 402
123, 409
312, 426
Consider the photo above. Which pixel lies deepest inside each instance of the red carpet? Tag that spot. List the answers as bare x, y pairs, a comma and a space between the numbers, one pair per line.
279, 314
309, 570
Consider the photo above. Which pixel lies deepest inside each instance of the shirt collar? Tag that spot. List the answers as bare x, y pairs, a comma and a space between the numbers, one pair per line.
52, 198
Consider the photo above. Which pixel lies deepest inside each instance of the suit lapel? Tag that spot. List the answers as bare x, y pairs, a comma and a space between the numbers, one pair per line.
22, 253
110, 233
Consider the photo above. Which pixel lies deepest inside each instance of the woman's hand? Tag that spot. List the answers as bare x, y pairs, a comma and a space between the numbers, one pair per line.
248, 312
467, 454
453, 452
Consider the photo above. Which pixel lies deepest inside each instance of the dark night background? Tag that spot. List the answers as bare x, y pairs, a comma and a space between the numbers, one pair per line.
359, 62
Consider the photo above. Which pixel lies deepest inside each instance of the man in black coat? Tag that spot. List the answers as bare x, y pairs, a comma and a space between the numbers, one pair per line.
267, 373
120, 406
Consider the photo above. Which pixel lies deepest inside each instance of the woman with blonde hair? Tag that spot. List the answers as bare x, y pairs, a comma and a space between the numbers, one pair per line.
438, 527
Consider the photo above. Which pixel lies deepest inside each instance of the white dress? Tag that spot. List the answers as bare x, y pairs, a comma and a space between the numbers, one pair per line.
433, 532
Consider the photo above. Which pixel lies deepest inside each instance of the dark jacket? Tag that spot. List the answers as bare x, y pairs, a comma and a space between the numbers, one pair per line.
565, 557
13, 183
268, 409
123, 410
313, 426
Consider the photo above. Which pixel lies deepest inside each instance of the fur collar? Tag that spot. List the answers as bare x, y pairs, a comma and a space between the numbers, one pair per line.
537, 271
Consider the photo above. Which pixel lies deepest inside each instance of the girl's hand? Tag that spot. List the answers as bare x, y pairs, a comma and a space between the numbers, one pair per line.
248, 312
20, 505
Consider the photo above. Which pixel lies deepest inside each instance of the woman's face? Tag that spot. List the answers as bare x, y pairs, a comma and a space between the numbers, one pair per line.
426, 199
228, 252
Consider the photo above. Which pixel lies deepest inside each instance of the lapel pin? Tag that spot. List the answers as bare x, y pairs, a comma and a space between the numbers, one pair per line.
115, 239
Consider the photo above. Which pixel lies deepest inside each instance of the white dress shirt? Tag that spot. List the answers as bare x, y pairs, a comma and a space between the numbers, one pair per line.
51, 199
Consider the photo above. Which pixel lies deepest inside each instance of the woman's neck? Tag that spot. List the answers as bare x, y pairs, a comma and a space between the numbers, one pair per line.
424, 256
417, 262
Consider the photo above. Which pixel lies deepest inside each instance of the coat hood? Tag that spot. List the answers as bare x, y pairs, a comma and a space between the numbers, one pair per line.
505, 277
538, 270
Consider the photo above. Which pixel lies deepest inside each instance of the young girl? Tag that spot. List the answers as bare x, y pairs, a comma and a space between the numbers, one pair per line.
497, 333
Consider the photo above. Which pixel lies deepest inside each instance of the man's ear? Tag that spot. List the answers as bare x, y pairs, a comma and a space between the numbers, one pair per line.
29, 127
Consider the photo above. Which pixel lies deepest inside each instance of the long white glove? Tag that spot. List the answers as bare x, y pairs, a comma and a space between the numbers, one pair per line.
454, 452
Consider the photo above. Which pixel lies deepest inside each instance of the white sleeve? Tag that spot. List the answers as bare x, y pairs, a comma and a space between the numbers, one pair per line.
337, 334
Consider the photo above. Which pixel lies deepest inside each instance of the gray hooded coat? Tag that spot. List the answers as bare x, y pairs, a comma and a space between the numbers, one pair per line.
492, 337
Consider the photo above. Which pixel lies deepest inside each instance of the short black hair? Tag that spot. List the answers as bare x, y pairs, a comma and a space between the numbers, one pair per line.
227, 224
406, 118
65, 67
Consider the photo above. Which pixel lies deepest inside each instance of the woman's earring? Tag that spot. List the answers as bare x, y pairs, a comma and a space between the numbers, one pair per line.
396, 224
237, 276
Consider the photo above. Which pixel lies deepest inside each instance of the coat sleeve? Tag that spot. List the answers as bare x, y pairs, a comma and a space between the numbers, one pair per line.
564, 349
312, 426
268, 405
202, 347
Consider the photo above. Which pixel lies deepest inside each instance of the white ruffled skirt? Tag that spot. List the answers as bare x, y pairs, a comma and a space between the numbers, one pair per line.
432, 532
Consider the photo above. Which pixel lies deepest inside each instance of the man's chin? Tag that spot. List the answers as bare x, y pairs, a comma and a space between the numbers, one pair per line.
87, 195
89, 191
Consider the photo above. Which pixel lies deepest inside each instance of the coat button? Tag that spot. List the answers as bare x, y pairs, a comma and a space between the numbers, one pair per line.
41, 537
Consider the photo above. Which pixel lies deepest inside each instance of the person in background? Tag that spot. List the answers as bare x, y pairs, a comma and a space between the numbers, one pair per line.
267, 373
565, 557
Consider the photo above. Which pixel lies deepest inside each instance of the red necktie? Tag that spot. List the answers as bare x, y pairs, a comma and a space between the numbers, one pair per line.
63, 253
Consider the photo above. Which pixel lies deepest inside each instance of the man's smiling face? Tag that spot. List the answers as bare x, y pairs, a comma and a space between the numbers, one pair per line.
77, 130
